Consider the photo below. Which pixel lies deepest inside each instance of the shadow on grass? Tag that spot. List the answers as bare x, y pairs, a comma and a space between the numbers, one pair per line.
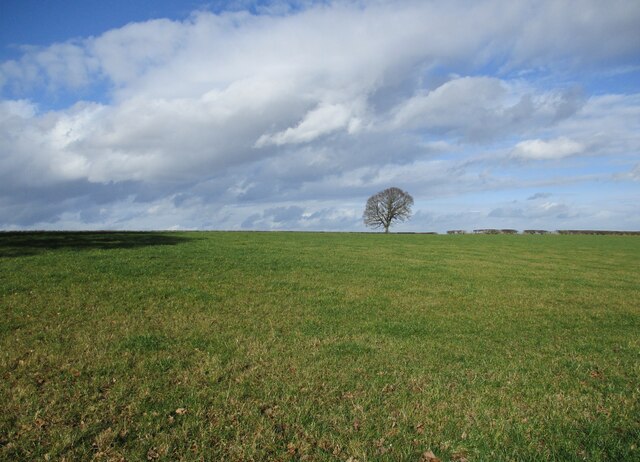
20, 244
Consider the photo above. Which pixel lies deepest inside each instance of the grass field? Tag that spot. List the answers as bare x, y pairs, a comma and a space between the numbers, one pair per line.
303, 346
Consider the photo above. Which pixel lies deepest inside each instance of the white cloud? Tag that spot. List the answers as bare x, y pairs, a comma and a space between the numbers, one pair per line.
483, 108
336, 218
460, 103
539, 195
333, 101
322, 120
20, 109
569, 29
340, 44
546, 150
128, 53
66, 65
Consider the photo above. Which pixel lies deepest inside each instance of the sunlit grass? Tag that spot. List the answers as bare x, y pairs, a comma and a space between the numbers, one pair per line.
296, 346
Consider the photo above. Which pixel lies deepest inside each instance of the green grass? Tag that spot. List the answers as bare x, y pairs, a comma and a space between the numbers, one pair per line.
301, 346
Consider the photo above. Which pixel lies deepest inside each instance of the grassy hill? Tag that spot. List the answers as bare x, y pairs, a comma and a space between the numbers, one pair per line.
319, 346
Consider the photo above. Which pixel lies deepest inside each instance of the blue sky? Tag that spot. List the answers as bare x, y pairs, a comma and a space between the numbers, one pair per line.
280, 115
43, 22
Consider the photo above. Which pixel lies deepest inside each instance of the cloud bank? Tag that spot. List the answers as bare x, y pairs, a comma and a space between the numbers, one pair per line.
290, 118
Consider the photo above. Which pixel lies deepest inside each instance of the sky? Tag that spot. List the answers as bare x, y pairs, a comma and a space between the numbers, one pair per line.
275, 115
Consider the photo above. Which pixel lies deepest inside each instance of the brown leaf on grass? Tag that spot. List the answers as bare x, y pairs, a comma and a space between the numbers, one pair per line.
356, 424
419, 428
38, 379
291, 448
596, 374
325, 445
460, 456
39, 423
268, 410
152, 454
388, 388
429, 456
181, 411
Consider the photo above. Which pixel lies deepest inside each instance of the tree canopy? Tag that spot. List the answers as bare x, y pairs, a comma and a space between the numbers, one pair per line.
386, 207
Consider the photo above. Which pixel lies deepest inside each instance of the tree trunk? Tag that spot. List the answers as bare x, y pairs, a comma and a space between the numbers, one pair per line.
386, 229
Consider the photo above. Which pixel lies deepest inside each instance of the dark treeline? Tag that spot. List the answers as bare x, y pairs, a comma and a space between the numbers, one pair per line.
543, 231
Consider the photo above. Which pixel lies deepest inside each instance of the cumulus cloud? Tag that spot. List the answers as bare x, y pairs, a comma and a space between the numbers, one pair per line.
317, 122
462, 103
483, 108
539, 195
338, 218
543, 210
61, 65
547, 149
307, 108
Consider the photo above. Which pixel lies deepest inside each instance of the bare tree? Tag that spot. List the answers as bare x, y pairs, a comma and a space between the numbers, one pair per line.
385, 207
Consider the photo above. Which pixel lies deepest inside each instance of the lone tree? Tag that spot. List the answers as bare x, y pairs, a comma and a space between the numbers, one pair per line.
385, 207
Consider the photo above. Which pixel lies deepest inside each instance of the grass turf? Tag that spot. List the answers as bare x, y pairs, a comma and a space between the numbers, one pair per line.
304, 346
